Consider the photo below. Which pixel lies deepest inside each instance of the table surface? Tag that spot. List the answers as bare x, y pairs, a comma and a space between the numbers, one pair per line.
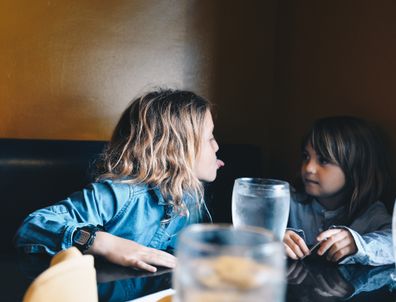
308, 280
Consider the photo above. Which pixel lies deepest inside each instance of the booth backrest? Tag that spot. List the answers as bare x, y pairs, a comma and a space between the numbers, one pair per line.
37, 173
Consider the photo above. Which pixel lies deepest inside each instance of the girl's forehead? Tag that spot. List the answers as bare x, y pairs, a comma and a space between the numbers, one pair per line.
208, 122
320, 150
308, 147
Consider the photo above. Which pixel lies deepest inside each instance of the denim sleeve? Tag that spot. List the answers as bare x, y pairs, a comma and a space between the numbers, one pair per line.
373, 248
366, 278
51, 229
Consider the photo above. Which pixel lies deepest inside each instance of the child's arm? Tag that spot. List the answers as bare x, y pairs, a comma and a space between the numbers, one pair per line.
372, 236
295, 246
375, 248
51, 229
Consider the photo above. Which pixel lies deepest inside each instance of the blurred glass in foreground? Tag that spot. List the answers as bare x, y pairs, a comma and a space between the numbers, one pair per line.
223, 263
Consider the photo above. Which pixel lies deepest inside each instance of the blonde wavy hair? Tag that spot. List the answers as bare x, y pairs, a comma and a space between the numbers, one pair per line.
156, 142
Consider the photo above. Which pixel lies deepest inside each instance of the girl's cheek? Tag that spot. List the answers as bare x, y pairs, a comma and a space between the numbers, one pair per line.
302, 169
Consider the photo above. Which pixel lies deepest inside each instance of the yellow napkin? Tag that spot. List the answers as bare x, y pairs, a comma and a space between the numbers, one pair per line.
70, 277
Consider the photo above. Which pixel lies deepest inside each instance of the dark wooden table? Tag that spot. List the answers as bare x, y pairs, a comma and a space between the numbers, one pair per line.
308, 280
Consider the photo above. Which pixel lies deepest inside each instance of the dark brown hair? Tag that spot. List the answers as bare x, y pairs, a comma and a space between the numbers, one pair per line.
358, 149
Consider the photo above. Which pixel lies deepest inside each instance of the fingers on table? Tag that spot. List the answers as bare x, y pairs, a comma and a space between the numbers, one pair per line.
326, 234
339, 249
338, 245
295, 246
160, 258
149, 257
290, 253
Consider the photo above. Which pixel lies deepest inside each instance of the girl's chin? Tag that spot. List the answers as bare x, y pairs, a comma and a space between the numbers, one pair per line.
311, 192
208, 178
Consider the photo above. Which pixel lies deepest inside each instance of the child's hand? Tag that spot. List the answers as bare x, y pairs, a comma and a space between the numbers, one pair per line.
129, 253
295, 246
339, 244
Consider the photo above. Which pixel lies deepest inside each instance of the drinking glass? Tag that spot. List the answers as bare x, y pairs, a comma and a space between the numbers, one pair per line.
262, 203
217, 262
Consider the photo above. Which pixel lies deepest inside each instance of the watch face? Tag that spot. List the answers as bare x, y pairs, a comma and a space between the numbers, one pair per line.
82, 237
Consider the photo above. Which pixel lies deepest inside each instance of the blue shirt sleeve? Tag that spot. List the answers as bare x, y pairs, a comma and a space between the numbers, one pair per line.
372, 233
365, 278
373, 248
51, 229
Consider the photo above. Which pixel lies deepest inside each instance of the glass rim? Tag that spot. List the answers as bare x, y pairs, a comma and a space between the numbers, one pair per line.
264, 183
185, 239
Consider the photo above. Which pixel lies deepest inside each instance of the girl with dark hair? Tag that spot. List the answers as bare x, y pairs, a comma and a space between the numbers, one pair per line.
345, 174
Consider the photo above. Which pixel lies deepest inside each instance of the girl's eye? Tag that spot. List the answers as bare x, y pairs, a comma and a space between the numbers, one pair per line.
323, 161
305, 156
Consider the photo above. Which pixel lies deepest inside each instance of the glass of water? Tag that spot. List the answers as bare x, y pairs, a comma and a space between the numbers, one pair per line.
262, 203
217, 262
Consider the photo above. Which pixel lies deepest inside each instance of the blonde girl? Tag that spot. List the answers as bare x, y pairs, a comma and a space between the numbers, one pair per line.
149, 186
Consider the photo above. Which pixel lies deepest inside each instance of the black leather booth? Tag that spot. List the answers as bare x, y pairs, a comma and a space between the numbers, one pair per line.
37, 173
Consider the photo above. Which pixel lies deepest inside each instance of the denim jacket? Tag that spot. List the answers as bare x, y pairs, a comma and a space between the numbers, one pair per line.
131, 211
372, 231
367, 278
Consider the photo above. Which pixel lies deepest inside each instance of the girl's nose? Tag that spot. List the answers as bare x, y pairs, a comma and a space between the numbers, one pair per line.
215, 146
310, 167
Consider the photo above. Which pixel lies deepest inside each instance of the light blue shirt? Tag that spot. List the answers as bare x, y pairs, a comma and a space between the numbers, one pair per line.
372, 231
131, 211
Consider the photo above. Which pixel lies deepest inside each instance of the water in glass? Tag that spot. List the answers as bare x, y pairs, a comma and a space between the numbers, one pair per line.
262, 203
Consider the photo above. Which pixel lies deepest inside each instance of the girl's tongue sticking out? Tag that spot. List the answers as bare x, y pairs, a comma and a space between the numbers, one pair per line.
220, 163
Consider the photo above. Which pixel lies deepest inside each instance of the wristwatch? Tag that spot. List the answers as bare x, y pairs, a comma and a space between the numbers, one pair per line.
84, 237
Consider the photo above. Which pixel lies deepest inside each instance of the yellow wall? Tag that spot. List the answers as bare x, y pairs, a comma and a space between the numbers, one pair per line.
69, 68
